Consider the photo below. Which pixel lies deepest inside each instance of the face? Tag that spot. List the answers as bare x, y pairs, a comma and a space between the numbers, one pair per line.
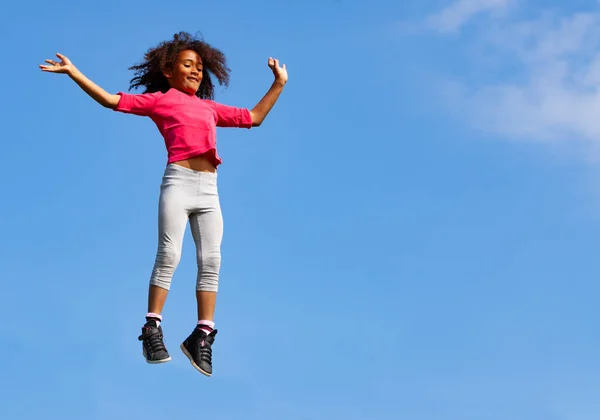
186, 74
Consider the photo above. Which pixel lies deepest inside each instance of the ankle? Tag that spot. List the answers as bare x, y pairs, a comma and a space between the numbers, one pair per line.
205, 325
154, 316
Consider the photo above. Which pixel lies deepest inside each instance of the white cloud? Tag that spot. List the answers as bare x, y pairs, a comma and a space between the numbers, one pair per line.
457, 14
551, 89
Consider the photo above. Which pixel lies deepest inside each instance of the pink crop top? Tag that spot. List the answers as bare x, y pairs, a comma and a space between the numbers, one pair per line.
186, 122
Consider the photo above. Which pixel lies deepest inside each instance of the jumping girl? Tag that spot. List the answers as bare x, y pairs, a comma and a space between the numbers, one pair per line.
178, 97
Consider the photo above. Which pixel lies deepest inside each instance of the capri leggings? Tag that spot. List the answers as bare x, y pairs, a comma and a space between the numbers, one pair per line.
188, 195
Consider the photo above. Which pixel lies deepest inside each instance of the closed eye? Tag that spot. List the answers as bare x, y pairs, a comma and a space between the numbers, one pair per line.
187, 66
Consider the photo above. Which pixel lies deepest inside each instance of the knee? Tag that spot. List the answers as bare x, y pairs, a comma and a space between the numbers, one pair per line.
209, 265
168, 257
210, 262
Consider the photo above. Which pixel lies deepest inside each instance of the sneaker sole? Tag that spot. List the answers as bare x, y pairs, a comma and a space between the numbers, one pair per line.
189, 356
155, 362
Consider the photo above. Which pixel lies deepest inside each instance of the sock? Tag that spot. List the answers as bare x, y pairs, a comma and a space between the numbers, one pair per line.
156, 317
206, 325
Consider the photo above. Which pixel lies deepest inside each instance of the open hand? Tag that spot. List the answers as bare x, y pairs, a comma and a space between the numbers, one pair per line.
280, 72
64, 66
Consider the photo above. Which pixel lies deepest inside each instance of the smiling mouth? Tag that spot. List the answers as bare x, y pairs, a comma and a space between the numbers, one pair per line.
193, 79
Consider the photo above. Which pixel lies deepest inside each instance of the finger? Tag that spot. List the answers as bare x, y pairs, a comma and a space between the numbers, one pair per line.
283, 67
64, 59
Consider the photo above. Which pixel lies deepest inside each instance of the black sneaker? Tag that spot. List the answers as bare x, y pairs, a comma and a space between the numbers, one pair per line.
152, 343
198, 348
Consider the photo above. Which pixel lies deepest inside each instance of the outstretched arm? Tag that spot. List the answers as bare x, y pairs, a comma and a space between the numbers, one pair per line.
262, 108
96, 92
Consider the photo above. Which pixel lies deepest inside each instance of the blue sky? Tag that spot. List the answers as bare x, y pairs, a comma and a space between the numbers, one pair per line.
411, 234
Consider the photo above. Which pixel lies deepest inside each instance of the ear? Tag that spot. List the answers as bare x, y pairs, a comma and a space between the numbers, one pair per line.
167, 73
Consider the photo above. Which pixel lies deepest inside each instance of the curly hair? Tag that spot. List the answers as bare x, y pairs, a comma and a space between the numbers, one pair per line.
149, 74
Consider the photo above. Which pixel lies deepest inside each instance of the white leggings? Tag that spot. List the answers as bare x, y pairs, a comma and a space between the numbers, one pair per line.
185, 195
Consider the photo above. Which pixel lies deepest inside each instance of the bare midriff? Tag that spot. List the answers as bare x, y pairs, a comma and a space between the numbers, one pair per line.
202, 163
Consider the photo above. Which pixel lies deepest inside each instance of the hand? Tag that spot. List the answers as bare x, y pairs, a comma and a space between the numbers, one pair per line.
280, 72
64, 66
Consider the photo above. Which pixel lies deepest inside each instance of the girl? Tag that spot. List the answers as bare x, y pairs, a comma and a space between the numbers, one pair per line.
178, 97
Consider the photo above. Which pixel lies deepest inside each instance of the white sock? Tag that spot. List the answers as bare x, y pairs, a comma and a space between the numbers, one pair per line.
206, 323
157, 317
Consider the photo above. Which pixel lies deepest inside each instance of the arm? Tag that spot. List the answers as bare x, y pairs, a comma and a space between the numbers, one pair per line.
101, 96
262, 108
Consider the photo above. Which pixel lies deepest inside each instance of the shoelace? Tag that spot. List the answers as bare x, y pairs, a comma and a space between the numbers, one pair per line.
205, 351
205, 347
154, 340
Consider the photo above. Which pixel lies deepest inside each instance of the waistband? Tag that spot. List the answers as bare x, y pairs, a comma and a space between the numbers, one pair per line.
174, 168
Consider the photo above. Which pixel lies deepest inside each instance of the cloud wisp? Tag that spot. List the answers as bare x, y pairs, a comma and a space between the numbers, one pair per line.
453, 17
552, 91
